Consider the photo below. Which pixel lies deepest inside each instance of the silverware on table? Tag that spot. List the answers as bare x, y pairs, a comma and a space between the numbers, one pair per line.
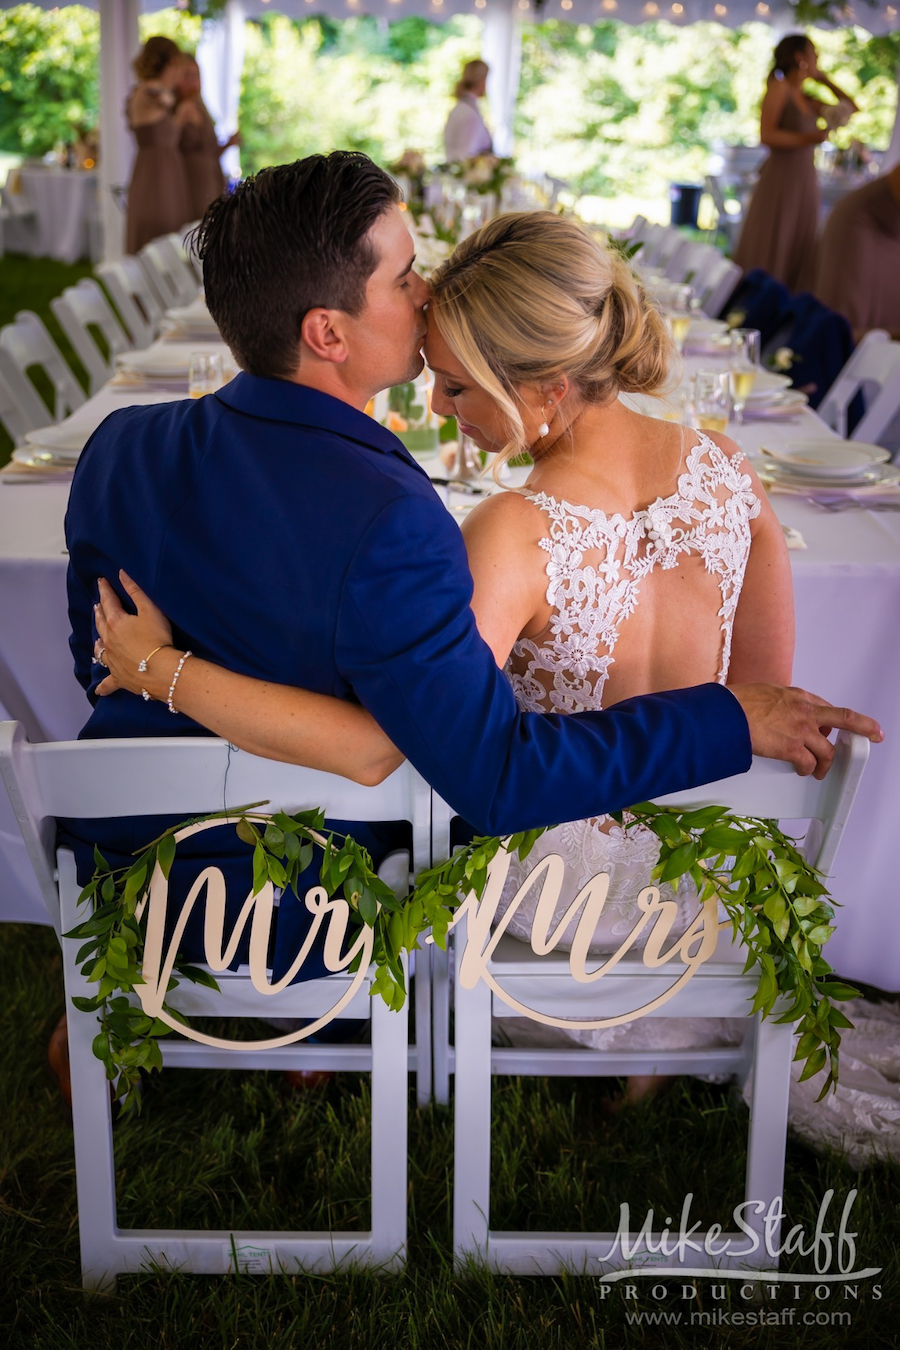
839, 504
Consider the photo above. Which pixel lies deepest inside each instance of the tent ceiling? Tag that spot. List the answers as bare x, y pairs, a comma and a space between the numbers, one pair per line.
883, 17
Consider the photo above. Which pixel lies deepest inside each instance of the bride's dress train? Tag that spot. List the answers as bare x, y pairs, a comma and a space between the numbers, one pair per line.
597, 567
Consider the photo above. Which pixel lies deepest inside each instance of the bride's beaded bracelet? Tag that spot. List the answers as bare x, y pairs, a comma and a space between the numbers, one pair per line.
178, 670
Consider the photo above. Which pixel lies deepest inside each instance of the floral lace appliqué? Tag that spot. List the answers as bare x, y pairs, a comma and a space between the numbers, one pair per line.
709, 514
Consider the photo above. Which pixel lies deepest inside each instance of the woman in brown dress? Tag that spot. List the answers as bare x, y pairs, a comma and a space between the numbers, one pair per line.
199, 143
859, 256
158, 196
779, 234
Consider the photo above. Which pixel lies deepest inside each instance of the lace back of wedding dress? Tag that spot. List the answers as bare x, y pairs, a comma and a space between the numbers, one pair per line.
598, 567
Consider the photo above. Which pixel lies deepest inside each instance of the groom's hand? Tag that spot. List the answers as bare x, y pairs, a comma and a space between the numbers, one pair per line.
793, 725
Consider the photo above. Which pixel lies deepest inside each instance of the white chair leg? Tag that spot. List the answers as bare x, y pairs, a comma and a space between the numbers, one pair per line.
767, 1135
422, 982
95, 1173
390, 1112
440, 1019
472, 1119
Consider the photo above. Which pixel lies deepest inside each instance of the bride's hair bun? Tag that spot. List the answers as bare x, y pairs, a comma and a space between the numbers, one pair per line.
532, 296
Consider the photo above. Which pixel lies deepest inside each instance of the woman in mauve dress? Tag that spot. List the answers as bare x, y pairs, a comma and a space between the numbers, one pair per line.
199, 142
779, 234
158, 197
859, 256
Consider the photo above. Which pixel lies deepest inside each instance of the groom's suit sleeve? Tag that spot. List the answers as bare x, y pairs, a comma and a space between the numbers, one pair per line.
407, 642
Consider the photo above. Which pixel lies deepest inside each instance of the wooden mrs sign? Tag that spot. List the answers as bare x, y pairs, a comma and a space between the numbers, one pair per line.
331, 921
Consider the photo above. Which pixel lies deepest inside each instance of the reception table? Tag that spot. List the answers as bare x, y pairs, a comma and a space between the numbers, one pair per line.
847, 588
61, 204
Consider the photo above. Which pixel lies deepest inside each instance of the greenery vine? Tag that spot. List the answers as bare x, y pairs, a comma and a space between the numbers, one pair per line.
775, 900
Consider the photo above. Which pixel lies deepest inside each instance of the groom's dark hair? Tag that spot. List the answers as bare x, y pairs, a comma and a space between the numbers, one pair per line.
288, 240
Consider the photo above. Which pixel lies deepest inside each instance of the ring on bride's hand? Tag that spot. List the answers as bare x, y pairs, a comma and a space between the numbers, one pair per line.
98, 659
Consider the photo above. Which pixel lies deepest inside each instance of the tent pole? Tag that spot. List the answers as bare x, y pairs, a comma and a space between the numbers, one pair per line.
501, 48
220, 56
119, 44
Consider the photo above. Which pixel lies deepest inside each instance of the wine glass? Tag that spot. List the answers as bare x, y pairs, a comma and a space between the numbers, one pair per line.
712, 400
743, 366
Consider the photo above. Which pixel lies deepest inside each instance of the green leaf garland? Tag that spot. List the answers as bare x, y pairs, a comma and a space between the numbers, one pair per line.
775, 900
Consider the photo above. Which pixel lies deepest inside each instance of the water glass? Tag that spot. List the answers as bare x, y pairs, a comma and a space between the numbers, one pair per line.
206, 374
744, 366
712, 400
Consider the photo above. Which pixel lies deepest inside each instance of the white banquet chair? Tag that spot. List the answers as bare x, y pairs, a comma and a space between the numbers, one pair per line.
545, 984
873, 370
715, 284
80, 309
137, 303
173, 278
26, 345
188, 777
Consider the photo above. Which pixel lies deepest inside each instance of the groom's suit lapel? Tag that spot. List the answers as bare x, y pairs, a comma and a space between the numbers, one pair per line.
309, 409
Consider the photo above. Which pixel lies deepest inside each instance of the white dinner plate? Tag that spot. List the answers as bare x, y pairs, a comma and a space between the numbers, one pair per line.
702, 327
67, 439
33, 458
878, 475
767, 383
831, 458
168, 360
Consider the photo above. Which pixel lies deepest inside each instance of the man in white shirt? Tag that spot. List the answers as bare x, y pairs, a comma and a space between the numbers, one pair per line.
465, 134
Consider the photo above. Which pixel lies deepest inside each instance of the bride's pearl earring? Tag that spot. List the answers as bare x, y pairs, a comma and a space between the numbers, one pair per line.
544, 428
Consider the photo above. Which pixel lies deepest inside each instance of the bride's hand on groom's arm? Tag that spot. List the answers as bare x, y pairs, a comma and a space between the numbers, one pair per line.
272, 720
793, 725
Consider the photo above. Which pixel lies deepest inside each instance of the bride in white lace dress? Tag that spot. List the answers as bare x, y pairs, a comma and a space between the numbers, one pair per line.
640, 556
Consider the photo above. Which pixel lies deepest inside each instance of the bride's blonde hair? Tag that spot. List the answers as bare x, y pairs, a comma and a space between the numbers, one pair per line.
532, 296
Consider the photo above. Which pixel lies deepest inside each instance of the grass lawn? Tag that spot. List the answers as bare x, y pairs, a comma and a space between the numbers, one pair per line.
224, 1149
31, 283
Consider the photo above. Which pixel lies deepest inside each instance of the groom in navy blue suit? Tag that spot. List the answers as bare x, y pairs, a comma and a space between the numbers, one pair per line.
289, 536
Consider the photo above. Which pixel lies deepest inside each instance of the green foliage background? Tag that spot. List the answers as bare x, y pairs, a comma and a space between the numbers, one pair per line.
614, 109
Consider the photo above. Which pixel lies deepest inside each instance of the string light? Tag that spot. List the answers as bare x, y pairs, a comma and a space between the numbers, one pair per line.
566, 4
721, 9
523, 4
652, 8
480, 4
610, 5
762, 9
678, 9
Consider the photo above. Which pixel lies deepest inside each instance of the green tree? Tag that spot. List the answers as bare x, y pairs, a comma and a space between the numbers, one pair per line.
48, 76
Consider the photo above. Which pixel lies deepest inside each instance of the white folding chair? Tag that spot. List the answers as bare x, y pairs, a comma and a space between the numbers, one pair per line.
169, 272
187, 777
82, 309
13, 420
718, 987
656, 241
179, 241
716, 283
139, 307
25, 345
874, 371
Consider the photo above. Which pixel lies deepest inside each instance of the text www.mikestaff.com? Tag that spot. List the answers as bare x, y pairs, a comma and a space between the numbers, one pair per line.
749, 1318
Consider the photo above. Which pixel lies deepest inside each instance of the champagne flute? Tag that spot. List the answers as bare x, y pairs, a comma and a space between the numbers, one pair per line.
712, 400
743, 366
678, 301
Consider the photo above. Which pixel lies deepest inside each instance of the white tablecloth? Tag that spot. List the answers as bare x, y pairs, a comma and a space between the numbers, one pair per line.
64, 201
847, 587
